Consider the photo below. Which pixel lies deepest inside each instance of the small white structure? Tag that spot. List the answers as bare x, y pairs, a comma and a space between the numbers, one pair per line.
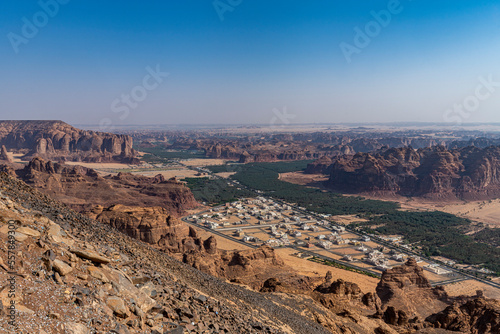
325, 244
436, 269
347, 258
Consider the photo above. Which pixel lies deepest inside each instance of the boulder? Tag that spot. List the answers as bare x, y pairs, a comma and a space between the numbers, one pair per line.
90, 255
117, 305
61, 267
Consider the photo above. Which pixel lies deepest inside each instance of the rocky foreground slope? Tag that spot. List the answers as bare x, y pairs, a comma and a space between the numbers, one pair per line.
468, 173
77, 275
57, 140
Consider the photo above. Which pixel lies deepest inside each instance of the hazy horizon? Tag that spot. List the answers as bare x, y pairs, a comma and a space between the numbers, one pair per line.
242, 62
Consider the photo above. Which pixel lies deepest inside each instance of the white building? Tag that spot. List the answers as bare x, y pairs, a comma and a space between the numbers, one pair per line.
325, 244
436, 269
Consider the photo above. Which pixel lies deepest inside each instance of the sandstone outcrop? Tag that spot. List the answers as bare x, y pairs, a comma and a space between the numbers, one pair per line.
469, 173
83, 188
149, 224
57, 140
4, 155
321, 166
478, 316
251, 267
408, 291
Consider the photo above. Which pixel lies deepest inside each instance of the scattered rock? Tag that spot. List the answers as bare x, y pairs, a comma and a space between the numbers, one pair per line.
89, 255
61, 267
118, 306
75, 328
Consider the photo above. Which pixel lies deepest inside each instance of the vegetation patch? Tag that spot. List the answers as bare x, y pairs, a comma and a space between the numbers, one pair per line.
215, 191
435, 233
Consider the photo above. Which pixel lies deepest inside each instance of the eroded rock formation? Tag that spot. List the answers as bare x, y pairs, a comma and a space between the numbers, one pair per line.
4, 155
478, 316
57, 140
321, 166
406, 289
83, 188
469, 173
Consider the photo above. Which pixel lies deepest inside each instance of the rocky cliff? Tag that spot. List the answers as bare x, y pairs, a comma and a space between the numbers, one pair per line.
83, 188
477, 316
468, 173
408, 292
57, 140
149, 224
4, 155
321, 166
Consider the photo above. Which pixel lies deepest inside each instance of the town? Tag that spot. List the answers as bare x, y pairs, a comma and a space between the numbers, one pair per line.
260, 220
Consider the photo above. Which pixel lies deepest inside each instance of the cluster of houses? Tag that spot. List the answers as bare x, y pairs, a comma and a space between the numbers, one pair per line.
378, 259
262, 209
282, 223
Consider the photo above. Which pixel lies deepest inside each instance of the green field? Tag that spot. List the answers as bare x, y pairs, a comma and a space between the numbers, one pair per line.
435, 233
215, 192
159, 154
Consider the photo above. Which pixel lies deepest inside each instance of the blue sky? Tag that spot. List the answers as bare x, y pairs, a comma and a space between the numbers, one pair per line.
263, 55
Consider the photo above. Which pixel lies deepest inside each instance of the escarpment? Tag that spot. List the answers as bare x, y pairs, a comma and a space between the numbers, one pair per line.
57, 141
468, 173
83, 188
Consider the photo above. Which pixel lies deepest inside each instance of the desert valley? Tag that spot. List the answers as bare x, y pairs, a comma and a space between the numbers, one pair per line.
159, 233
260, 167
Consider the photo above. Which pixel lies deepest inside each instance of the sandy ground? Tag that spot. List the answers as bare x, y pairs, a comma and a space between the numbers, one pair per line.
203, 162
487, 212
93, 165
313, 180
312, 269
16, 157
470, 287
177, 173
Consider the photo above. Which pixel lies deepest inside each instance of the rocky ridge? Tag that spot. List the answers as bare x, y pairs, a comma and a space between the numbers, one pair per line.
57, 140
438, 173
83, 188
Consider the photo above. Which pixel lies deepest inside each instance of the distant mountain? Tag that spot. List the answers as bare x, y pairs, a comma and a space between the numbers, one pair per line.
469, 173
57, 140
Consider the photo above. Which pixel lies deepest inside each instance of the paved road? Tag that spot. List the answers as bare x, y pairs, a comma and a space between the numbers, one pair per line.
464, 274
220, 234
405, 251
